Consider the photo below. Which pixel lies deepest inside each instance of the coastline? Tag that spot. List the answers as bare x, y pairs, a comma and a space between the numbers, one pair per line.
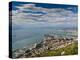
49, 43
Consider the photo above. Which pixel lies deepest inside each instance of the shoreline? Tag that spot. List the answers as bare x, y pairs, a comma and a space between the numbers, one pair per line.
48, 43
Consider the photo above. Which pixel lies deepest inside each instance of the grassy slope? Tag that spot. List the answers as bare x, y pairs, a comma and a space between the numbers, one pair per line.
69, 50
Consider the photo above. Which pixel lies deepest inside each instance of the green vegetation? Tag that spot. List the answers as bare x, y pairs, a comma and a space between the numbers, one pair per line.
71, 49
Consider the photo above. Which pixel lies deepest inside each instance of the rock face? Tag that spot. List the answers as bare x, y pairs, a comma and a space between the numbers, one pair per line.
48, 43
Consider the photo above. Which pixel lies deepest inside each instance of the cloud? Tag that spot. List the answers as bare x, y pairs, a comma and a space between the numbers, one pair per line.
30, 14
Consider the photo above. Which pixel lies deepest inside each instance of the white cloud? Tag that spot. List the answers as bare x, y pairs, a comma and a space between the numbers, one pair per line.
29, 13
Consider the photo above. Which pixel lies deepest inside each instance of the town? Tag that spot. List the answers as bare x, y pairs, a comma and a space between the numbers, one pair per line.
49, 43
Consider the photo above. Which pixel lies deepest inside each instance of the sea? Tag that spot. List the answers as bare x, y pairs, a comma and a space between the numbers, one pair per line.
26, 37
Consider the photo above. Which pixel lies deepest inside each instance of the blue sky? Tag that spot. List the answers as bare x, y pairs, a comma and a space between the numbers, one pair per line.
44, 5
42, 14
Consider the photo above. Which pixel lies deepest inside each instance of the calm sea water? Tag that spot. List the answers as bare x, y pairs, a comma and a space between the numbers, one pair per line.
27, 36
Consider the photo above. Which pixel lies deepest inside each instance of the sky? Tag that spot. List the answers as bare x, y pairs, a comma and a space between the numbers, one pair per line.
42, 14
